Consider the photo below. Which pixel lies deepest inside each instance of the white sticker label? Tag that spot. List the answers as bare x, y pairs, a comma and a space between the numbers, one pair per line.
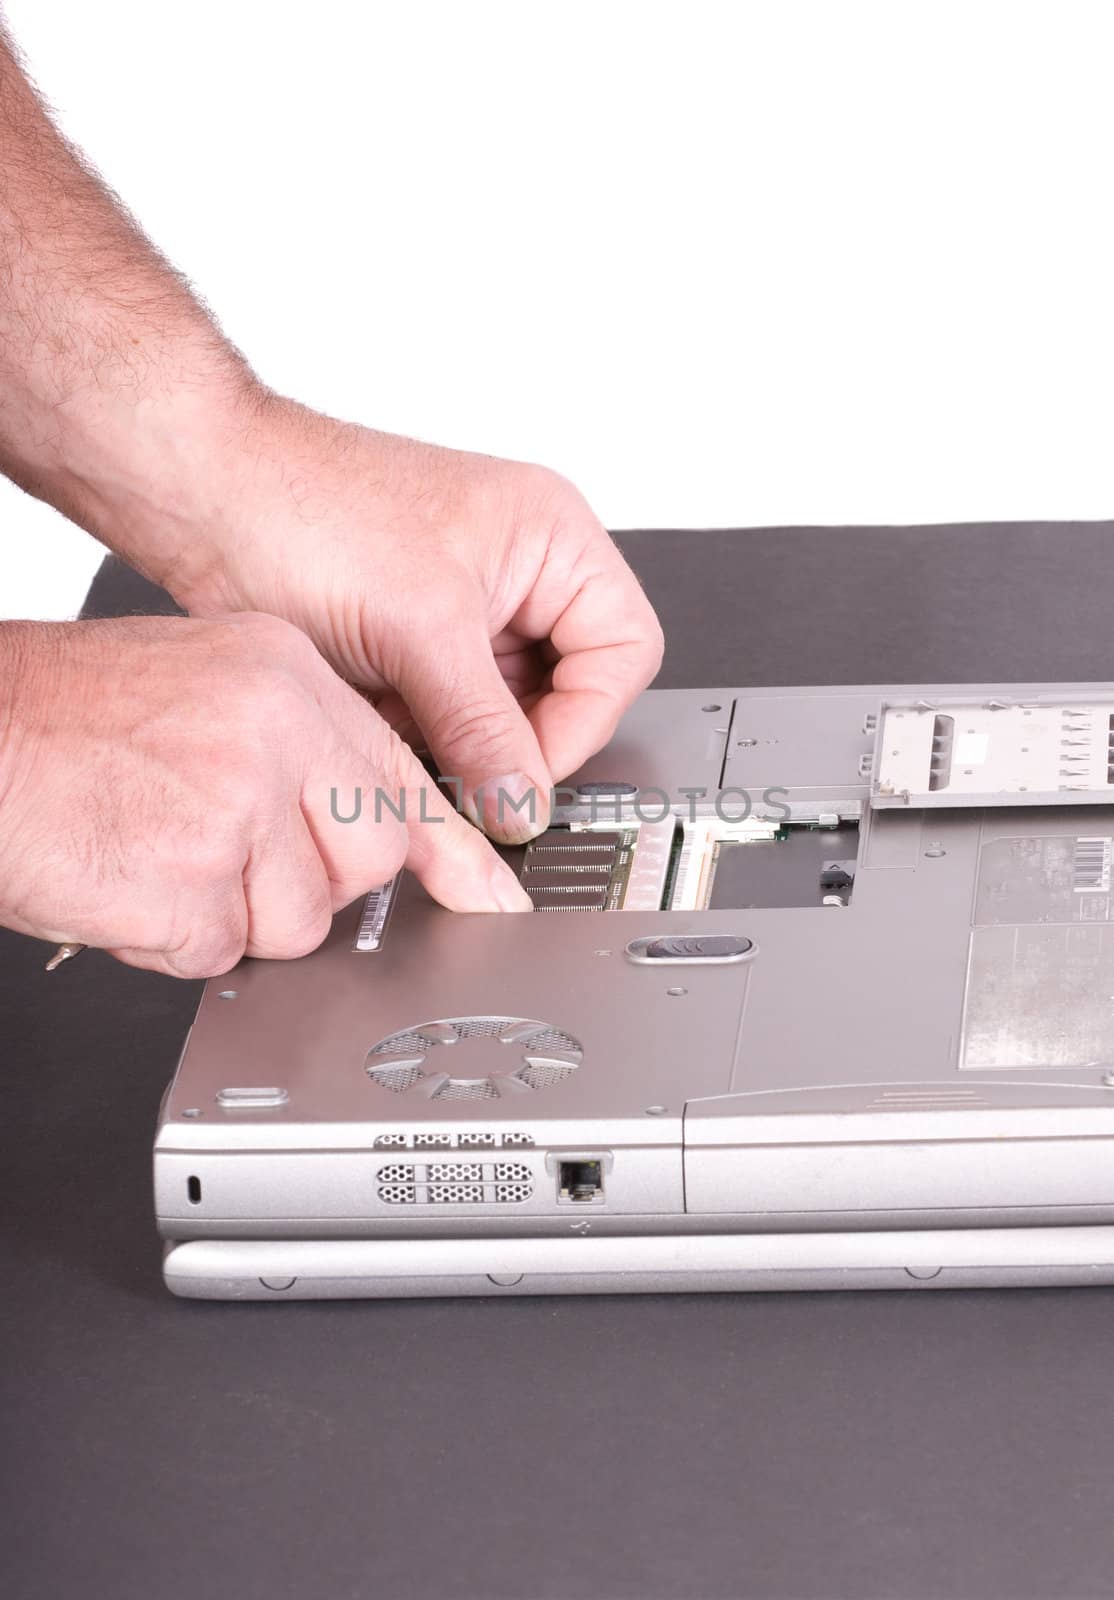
1091, 866
971, 749
373, 918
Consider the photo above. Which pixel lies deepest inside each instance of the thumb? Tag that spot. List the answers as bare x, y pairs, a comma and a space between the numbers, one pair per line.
477, 732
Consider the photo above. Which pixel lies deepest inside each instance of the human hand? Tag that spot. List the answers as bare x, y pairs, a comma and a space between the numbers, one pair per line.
479, 599
165, 794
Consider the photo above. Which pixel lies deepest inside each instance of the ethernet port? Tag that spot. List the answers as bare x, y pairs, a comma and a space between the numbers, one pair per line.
580, 1181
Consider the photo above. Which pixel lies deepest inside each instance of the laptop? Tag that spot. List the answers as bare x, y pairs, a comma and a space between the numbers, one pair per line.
818, 993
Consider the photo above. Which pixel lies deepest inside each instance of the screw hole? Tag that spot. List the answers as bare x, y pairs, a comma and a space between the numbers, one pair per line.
711, 708
192, 1112
677, 990
228, 994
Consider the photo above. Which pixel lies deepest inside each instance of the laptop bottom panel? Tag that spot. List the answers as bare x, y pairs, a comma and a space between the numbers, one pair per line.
332, 1269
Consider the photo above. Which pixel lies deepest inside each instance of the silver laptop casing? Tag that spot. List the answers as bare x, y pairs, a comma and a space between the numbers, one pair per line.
923, 1057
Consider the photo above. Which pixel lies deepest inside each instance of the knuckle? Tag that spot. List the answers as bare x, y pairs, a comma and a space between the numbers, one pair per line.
237, 791
392, 760
471, 729
552, 489
386, 862
223, 959
654, 647
304, 934
208, 951
212, 853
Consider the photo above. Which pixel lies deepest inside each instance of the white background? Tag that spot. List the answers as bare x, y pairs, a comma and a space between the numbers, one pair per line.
721, 263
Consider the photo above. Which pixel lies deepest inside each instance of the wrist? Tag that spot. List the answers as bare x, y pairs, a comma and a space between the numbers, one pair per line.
272, 468
191, 501
156, 476
28, 653
298, 483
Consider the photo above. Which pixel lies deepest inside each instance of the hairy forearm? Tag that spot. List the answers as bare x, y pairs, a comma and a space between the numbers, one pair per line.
120, 400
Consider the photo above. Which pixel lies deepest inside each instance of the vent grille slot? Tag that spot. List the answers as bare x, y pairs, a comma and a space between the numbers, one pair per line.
541, 1074
927, 1099
509, 1193
396, 1174
449, 1141
456, 1194
455, 1172
553, 1039
512, 1172
398, 1079
455, 1183
409, 1044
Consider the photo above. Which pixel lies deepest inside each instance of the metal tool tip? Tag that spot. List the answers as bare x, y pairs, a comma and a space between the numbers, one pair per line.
64, 952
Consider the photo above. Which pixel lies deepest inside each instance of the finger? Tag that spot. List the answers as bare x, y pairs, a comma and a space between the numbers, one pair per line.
214, 940
396, 814
288, 893
478, 733
610, 646
359, 837
523, 665
453, 860
161, 961
397, 715
147, 960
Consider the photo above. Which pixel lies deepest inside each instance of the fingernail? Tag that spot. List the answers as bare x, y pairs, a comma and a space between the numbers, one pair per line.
508, 893
512, 808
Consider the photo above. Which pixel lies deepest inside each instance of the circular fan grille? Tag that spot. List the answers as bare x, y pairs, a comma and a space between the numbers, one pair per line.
474, 1058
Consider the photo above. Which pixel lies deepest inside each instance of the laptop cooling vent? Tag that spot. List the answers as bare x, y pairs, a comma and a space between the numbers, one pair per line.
473, 1058
455, 1183
450, 1141
928, 1098
398, 1078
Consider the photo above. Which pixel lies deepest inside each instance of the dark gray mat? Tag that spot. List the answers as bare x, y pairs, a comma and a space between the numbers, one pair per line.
922, 1445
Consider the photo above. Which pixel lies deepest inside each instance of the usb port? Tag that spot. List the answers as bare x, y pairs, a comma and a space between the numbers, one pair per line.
580, 1181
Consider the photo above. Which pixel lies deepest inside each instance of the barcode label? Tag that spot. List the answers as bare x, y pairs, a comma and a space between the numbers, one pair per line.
373, 918
1091, 866
681, 897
